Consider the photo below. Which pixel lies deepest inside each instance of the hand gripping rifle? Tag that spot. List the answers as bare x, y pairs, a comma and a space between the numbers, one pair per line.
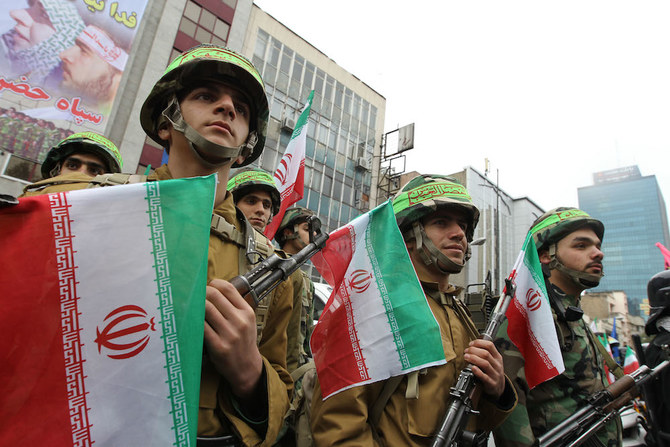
262, 279
602, 406
466, 392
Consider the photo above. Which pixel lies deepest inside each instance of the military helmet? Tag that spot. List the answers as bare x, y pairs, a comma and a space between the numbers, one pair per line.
658, 292
250, 180
555, 224
292, 217
208, 62
83, 142
425, 194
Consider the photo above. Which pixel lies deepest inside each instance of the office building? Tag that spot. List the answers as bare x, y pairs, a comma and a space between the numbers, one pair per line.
633, 211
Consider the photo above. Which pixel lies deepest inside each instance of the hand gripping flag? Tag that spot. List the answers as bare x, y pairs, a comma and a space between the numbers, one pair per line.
377, 323
102, 293
290, 175
530, 323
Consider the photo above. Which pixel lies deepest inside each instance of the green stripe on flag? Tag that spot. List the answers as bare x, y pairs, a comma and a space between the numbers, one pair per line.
415, 330
304, 116
532, 262
180, 215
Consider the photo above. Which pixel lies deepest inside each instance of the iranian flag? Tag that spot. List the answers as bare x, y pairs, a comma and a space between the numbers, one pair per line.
102, 294
377, 323
290, 175
603, 340
530, 322
630, 363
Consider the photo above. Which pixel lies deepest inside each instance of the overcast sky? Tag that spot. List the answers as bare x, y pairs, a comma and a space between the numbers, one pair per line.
549, 92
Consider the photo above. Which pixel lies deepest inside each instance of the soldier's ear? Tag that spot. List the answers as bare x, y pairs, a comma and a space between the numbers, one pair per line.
544, 257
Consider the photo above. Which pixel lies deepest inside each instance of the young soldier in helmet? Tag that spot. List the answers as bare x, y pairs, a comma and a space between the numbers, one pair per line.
79, 156
210, 111
256, 195
568, 244
658, 326
438, 219
292, 236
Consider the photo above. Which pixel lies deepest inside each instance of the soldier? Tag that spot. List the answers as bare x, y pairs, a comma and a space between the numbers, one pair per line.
85, 152
438, 219
256, 195
292, 236
658, 325
80, 156
210, 111
568, 244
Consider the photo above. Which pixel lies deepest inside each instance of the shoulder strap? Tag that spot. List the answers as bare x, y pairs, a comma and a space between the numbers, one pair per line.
613, 366
377, 408
116, 179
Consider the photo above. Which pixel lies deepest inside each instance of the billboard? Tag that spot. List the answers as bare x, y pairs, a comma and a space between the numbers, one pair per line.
61, 62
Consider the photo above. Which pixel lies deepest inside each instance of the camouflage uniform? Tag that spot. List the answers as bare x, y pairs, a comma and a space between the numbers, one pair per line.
302, 322
553, 401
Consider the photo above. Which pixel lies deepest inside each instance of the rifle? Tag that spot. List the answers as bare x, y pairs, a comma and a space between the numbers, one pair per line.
266, 276
466, 392
263, 279
601, 407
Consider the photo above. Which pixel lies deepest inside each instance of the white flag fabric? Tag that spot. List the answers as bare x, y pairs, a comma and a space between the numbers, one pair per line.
530, 322
290, 175
102, 293
377, 322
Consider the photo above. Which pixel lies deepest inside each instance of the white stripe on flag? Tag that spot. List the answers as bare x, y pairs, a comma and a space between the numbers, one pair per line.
113, 383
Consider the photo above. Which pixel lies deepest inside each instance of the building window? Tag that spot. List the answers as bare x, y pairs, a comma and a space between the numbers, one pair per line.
202, 25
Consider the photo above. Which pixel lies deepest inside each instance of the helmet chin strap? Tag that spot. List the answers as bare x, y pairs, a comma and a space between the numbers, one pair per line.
431, 255
582, 279
217, 155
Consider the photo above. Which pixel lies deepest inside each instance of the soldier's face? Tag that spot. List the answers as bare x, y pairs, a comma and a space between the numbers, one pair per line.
580, 250
218, 112
446, 229
257, 208
88, 164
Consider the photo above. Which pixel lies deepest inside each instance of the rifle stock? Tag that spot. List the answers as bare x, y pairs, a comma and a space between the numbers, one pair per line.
465, 394
601, 407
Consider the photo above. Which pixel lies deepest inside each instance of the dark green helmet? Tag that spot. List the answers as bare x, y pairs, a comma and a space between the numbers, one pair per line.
554, 225
425, 194
83, 142
208, 62
293, 216
251, 180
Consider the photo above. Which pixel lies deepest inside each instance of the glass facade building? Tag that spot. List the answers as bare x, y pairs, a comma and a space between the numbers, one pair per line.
340, 137
633, 211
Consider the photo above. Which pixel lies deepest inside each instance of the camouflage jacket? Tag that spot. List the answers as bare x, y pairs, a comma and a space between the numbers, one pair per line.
302, 321
551, 402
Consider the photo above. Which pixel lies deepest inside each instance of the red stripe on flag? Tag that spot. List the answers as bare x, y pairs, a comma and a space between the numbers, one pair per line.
334, 343
518, 330
37, 271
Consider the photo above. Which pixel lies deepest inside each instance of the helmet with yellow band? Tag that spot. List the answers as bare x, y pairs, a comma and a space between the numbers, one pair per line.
83, 142
247, 181
207, 63
554, 225
424, 195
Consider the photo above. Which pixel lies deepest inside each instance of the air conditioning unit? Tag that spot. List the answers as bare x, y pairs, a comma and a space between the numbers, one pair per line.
288, 123
364, 163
